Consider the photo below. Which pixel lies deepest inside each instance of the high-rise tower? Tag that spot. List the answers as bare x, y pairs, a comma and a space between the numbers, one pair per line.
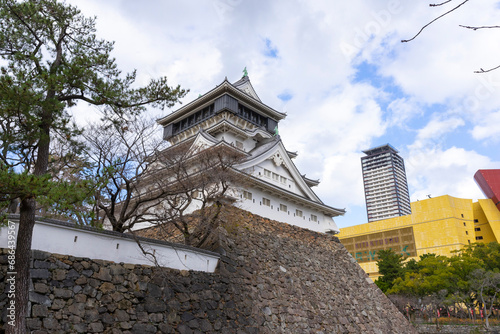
386, 188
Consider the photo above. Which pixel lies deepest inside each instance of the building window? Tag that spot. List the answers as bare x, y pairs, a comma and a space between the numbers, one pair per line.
276, 177
467, 232
476, 220
239, 144
282, 179
479, 238
465, 224
298, 213
462, 215
283, 207
266, 201
247, 194
267, 173
477, 229
314, 218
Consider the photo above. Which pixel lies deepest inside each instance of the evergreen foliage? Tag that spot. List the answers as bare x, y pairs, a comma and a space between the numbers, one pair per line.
469, 278
390, 266
51, 59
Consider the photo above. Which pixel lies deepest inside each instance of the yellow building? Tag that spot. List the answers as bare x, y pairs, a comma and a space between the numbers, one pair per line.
437, 225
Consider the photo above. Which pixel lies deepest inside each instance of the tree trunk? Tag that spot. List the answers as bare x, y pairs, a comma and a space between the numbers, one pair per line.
25, 234
22, 266
487, 323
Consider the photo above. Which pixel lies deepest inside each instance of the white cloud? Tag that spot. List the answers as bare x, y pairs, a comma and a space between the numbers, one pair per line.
488, 127
401, 111
435, 130
445, 172
331, 119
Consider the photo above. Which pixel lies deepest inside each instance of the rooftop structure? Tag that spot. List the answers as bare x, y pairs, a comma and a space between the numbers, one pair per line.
489, 182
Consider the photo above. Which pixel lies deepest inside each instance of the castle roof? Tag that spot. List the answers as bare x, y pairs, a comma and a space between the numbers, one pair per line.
242, 90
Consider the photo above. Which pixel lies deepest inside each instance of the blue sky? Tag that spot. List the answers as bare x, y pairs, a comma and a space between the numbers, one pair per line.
340, 72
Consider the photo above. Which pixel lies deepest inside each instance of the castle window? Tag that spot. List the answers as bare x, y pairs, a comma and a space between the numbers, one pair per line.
266, 201
283, 207
267, 173
239, 144
477, 229
282, 179
479, 238
476, 220
247, 195
314, 218
298, 213
276, 177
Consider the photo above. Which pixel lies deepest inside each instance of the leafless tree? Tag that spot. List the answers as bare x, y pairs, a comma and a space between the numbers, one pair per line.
201, 182
121, 153
449, 11
147, 183
486, 286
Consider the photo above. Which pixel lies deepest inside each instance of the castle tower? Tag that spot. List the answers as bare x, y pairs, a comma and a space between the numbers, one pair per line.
386, 188
233, 114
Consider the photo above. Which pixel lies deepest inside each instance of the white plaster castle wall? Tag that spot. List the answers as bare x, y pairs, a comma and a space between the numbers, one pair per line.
245, 144
289, 184
78, 242
256, 205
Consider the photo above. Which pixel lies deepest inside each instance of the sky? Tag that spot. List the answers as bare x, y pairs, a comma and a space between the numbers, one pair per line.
339, 71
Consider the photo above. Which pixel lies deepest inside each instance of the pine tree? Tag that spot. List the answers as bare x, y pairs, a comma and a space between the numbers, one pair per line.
51, 60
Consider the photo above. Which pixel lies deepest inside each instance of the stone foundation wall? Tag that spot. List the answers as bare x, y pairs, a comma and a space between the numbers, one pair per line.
273, 278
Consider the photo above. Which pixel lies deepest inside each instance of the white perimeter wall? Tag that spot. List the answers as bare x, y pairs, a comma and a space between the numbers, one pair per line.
79, 242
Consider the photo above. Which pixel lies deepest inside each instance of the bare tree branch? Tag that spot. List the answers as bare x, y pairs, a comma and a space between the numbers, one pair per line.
477, 28
485, 71
439, 4
147, 183
428, 24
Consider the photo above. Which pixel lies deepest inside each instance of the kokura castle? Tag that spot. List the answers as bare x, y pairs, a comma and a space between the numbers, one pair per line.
233, 113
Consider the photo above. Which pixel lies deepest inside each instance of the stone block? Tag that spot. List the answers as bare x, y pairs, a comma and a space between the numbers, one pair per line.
103, 274
39, 299
80, 298
87, 272
107, 287
40, 273
153, 305
77, 309
59, 274
80, 328
156, 317
33, 324
51, 324
39, 311
121, 315
63, 293
91, 315
41, 288
139, 328
95, 327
